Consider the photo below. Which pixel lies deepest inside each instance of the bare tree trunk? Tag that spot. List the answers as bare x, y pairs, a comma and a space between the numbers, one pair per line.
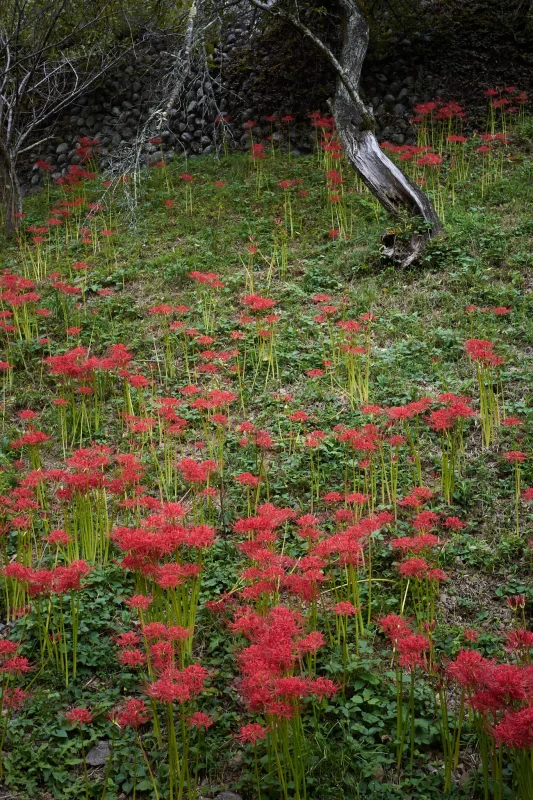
355, 126
185, 58
10, 190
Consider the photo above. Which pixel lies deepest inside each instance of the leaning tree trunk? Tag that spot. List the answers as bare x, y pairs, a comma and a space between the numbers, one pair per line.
355, 125
10, 194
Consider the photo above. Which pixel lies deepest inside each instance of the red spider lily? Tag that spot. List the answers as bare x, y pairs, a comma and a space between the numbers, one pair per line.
132, 713
17, 665
515, 457
252, 733
194, 472
257, 303
416, 544
127, 639
468, 669
411, 648
345, 609
511, 422
247, 479
207, 278
178, 685
79, 717
14, 699
200, 720
515, 730
132, 658
139, 601
517, 601
519, 640
454, 523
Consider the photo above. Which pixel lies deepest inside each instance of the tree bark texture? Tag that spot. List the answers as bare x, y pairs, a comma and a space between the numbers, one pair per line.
355, 126
10, 193
356, 129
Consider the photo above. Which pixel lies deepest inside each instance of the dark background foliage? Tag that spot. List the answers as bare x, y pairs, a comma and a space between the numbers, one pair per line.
467, 45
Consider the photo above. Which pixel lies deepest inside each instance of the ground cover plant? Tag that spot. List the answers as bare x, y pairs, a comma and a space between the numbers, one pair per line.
266, 500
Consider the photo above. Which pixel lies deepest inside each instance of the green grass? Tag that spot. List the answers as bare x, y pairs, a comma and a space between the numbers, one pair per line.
420, 325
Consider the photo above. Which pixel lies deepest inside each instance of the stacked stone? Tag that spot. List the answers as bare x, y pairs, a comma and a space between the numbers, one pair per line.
117, 110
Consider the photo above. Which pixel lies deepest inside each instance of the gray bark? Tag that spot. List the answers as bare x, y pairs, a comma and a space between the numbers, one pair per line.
356, 125
10, 194
39, 78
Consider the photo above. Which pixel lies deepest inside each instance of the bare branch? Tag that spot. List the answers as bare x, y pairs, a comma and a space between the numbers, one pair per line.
186, 58
351, 82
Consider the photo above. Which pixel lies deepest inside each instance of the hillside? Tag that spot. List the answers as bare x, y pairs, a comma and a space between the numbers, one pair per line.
252, 470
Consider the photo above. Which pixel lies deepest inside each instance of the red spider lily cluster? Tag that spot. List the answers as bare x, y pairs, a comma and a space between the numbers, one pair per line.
195, 466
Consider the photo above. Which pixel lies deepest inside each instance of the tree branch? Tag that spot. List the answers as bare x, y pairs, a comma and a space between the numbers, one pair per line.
184, 72
351, 86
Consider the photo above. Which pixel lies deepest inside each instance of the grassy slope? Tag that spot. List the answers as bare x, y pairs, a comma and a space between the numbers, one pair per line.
420, 325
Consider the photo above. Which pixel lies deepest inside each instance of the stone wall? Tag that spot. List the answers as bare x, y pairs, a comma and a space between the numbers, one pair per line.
257, 72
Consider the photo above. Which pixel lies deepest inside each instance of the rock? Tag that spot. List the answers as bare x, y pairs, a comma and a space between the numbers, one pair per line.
228, 796
236, 759
99, 754
62, 148
399, 109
